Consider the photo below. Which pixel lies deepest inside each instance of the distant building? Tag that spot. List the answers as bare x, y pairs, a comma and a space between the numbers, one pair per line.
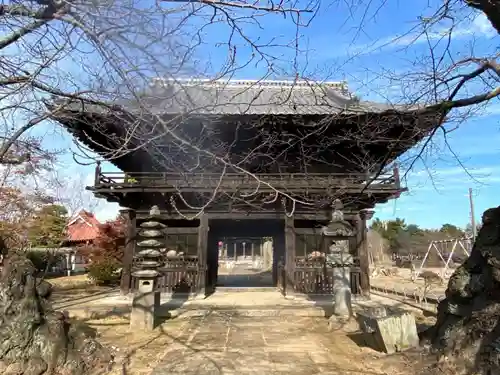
82, 229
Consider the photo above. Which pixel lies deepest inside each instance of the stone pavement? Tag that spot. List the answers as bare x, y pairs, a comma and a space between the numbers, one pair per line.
243, 274
226, 344
245, 303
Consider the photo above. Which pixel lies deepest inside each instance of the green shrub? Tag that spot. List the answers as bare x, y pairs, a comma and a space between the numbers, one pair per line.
104, 272
43, 260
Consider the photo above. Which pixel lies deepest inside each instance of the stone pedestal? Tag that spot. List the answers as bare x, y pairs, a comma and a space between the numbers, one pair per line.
267, 254
342, 291
341, 263
146, 301
389, 332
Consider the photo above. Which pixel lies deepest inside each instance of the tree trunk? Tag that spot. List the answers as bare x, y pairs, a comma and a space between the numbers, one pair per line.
467, 330
35, 339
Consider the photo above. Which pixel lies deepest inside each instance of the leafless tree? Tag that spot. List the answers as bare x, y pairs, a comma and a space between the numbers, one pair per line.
107, 54
449, 71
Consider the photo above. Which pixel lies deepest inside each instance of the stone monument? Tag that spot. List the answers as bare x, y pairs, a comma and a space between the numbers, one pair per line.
388, 332
336, 237
148, 260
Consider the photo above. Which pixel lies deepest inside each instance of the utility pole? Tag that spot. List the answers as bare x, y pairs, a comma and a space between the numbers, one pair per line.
472, 218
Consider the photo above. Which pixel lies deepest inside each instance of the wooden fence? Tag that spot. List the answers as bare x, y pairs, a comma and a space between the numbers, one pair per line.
314, 277
309, 277
179, 277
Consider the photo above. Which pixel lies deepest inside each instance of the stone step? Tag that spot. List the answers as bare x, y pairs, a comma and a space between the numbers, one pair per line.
99, 312
233, 289
253, 312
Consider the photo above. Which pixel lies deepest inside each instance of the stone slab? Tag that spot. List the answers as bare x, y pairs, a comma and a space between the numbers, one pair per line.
270, 345
389, 332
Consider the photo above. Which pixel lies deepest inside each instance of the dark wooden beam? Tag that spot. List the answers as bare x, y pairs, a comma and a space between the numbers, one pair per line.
353, 201
362, 252
202, 250
306, 231
313, 216
290, 255
120, 189
128, 255
173, 230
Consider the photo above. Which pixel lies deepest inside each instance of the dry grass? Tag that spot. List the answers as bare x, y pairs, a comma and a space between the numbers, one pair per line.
68, 282
73, 288
402, 282
136, 352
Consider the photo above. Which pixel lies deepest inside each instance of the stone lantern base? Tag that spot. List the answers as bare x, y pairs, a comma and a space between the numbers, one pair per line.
146, 301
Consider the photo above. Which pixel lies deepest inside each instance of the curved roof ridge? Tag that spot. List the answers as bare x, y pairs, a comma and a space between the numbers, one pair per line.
341, 85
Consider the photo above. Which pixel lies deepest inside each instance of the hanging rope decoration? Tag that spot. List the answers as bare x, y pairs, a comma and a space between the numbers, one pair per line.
276, 196
283, 202
254, 192
174, 206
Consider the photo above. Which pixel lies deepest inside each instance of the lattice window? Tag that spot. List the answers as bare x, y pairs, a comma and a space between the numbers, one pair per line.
305, 244
186, 243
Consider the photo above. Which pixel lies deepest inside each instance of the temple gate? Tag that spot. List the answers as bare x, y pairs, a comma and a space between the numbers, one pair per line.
327, 147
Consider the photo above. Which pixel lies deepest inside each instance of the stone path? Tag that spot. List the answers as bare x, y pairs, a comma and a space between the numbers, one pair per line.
226, 344
243, 274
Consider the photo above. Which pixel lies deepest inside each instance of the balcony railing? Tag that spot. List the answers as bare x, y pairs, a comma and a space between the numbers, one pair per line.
240, 181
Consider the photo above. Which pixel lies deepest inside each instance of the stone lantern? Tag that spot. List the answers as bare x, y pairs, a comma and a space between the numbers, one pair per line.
335, 240
148, 260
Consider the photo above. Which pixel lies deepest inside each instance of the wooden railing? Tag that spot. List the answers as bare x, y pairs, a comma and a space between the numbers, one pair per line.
180, 281
179, 277
315, 277
247, 182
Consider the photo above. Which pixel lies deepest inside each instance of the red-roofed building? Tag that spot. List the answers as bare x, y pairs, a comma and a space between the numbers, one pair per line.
82, 229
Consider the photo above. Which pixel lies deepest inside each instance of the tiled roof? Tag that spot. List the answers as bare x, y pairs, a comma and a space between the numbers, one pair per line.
252, 97
83, 227
104, 128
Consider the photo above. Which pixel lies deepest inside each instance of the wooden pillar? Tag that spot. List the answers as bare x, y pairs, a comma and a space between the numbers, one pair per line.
97, 174
363, 251
128, 255
290, 255
202, 251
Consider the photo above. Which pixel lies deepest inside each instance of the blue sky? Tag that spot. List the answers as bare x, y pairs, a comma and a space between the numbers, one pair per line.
338, 46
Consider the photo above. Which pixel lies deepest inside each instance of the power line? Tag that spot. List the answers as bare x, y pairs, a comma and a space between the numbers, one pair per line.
472, 218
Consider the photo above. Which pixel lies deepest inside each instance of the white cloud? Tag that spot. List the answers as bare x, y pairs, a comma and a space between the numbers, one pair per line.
107, 211
479, 27
483, 25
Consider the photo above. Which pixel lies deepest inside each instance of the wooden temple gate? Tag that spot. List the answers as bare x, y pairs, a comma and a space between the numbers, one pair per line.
294, 181
297, 270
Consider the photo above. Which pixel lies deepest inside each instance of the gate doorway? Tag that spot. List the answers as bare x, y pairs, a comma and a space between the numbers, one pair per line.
243, 253
245, 262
